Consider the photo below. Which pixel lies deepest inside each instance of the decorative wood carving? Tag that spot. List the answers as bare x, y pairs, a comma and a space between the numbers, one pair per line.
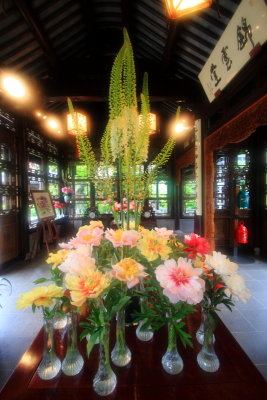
184, 161
236, 130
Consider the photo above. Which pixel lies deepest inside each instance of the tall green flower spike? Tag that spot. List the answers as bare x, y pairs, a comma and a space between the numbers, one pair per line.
125, 142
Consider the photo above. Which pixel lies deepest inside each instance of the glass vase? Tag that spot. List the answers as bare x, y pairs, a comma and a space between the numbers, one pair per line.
144, 335
200, 331
50, 364
207, 358
105, 380
171, 361
121, 354
73, 361
60, 321
147, 334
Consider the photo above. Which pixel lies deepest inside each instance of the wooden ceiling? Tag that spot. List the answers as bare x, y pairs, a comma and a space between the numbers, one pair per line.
68, 46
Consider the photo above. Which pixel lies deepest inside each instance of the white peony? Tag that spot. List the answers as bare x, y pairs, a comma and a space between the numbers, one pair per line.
77, 263
221, 264
235, 286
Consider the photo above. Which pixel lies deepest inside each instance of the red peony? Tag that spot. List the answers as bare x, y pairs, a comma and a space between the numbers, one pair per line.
196, 245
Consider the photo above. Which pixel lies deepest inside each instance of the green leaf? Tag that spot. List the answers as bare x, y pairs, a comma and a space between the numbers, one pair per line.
117, 307
41, 280
91, 343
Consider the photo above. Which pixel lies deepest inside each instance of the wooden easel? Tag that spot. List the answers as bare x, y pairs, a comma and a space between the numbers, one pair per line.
48, 228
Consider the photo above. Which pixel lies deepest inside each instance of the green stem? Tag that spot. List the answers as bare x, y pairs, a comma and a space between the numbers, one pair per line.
171, 337
120, 330
120, 190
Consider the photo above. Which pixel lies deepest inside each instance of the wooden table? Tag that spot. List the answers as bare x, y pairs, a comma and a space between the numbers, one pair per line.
144, 378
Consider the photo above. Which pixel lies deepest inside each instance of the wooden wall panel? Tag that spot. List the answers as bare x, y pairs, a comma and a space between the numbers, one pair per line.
234, 131
9, 248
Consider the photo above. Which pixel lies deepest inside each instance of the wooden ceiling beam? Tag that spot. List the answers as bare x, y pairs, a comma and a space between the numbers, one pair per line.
39, 33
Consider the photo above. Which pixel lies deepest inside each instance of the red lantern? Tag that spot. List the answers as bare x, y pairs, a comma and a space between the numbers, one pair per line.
241, 233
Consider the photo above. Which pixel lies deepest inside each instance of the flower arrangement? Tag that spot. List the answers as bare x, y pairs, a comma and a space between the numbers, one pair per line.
98, 271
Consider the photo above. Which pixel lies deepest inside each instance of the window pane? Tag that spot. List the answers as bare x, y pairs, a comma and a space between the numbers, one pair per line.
81, 171
153, 190
103, 208
53, 189
80, 208
82, 189
190, 188
5, 178
53, 170
162, 188
161, 207
189, 207
32, 214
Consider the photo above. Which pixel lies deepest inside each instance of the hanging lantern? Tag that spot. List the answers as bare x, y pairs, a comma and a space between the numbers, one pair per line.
77, 123
179, 8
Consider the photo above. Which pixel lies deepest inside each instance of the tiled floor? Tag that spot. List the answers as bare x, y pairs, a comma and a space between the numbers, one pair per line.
248, 322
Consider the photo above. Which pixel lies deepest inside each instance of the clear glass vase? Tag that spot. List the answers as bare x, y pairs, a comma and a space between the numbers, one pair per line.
105, 380
171, 361
121, 355
73, 361
207, 358
144, 335
60, 321
50, 364
200, 331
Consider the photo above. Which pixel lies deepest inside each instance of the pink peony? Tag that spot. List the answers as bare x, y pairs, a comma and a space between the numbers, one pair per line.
90, 236
181, 281
196, 245
120, 237
164, 233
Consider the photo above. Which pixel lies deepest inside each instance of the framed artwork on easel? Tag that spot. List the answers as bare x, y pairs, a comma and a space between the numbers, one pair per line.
43, 204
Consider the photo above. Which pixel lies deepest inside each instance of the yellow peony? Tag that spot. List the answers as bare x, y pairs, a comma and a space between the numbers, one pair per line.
88, 286
93, 225
39, 296
152, 246
57, 258
129, 271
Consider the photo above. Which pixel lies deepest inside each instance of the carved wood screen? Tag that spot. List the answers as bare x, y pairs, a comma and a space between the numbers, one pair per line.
234, 131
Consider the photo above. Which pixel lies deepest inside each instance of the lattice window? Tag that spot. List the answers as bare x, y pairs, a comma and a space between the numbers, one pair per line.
188, 192
159, 196
221, 184
35, 138
7, 120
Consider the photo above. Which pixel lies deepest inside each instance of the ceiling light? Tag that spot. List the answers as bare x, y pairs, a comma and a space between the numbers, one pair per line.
179, 8
52, 124
13, 86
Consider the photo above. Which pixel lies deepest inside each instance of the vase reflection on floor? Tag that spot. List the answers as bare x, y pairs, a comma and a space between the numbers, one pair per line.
105, 380
171, 361
50, 364
207, 358
121, 355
